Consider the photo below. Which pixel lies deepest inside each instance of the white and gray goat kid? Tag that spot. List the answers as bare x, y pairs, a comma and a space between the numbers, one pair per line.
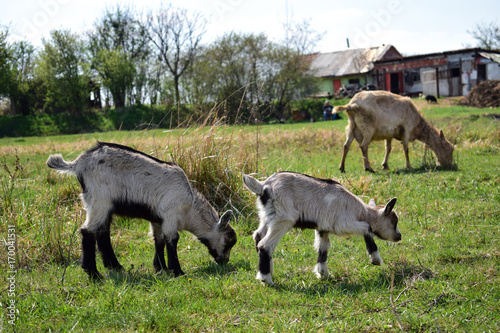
118, 180
289, 200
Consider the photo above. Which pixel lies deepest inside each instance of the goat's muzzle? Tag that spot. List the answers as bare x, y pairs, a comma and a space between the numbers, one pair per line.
221, 260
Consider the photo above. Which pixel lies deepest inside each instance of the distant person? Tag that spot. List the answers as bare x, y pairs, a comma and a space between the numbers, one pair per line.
327, 110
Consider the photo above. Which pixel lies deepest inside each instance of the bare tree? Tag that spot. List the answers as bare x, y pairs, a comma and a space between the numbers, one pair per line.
176, 35
487, 35
299, 36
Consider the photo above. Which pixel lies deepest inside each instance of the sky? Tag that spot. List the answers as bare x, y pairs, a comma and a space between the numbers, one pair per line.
412, 26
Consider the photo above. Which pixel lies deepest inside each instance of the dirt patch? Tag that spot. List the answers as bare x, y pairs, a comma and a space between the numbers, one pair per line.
485, 95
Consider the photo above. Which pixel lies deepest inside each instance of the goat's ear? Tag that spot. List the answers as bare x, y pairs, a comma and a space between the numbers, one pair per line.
225, 218
441, 135
372, 203
389, 207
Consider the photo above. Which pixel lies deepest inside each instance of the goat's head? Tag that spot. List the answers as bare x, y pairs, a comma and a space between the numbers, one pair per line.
221, 239
444, 152
386, 224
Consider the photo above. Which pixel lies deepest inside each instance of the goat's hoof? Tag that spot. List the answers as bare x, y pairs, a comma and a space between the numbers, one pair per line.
265, 278
376, 262
178, 273
321, 271
370, 170
115, 268
95, 276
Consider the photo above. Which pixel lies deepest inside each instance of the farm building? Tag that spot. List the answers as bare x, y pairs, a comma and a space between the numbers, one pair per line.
450, 73
348, 67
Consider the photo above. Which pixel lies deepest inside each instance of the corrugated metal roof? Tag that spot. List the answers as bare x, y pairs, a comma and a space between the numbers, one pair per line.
492, 56
348, 62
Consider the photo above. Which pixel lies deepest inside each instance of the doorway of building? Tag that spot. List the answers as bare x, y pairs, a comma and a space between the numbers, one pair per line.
395, 83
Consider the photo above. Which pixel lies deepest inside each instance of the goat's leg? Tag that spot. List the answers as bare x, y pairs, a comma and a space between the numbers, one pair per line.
173, 260
259, 234
388, 147
159, 257
266, 248
364, 149
405, 142
104, 245
322, 244
87, 259
372, 249
347, 144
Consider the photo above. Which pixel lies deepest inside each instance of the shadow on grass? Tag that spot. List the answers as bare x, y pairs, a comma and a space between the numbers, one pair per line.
422, 169
221, 270
146, 277
399, 275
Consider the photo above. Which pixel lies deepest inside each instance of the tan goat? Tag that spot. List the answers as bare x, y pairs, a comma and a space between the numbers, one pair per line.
381, 115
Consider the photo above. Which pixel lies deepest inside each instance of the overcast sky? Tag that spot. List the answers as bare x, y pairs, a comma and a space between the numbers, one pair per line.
412, 26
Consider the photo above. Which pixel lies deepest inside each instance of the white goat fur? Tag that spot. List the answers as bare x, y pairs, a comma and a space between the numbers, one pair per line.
381, 115
287, 200
119, 180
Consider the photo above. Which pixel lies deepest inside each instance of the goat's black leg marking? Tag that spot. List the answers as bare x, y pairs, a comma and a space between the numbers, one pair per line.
323, 247
104, 245
87, 259
173, 260
370, 244
322, 256
372, 249
159, 259
264, 262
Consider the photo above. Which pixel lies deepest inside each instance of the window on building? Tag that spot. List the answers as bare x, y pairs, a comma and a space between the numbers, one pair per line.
455, 72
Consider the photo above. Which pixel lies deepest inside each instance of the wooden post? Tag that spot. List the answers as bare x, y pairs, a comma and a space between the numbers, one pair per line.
437, 82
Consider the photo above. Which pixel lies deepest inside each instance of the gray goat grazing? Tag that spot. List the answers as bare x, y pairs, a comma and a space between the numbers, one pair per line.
287, 200
118, 180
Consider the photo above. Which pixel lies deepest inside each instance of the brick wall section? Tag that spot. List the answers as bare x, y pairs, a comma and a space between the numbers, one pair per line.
396, 67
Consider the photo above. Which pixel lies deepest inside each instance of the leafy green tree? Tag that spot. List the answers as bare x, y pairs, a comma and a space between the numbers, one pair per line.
62, 68
288, 78
5, 56
253, 76
223, 73
25, 92
119, 36
117, 73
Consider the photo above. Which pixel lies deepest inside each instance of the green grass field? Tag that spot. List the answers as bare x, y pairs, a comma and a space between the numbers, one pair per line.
444, 276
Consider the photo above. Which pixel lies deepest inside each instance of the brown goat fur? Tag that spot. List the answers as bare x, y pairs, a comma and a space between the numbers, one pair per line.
381, 115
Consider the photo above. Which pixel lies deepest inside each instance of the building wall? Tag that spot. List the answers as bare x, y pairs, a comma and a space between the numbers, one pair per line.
326, 85
493, 71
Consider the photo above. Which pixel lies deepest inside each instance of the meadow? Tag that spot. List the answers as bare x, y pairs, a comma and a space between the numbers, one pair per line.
443, 276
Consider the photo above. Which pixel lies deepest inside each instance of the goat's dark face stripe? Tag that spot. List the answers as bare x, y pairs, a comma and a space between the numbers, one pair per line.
264, 198
231, 241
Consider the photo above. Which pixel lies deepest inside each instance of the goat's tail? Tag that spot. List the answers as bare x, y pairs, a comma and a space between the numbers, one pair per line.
340, 108
253, 184
57, 162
